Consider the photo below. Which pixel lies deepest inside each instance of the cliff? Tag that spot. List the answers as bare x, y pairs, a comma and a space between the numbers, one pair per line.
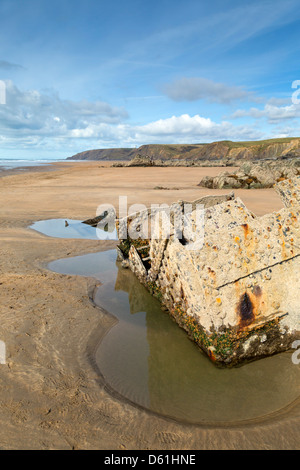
224, 152
105, 154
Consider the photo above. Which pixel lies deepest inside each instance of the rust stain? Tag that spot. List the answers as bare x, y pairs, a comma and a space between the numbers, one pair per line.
251, 306
257, 291
245, 311
212, 273
211, 355
182, 294
246, 230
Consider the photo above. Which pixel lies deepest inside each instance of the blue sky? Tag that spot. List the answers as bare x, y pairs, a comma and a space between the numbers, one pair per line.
95, 74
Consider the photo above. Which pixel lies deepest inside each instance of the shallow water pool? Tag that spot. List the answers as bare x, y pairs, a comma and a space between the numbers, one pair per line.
149, 360
73, 229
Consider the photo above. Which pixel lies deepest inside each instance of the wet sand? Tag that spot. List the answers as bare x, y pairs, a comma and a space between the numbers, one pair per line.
51, 395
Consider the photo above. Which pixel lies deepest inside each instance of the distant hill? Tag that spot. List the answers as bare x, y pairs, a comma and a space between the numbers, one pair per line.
105, 154
215, 151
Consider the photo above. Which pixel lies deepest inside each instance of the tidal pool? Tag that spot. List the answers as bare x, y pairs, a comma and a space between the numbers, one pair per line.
73, 229
149, 360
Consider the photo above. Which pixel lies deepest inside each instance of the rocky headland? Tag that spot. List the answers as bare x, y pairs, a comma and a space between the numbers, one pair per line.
224, 153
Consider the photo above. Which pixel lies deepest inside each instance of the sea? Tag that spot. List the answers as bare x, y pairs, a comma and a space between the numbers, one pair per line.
13, 163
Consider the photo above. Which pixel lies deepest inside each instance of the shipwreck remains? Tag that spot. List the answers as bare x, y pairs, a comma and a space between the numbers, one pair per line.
238, 295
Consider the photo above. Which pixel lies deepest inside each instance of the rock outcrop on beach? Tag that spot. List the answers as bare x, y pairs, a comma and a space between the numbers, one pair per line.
254, 175
141, 160
224, 153
232, 281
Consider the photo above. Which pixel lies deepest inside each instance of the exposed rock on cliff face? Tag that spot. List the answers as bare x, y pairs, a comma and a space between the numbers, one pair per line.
225, 153
237, 295
254, 175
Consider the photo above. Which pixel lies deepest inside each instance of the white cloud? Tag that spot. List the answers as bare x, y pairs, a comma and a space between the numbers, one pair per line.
176, 129
5, 65
193, 128
197, 88
279, 101
270, 112
46, 114
183, 124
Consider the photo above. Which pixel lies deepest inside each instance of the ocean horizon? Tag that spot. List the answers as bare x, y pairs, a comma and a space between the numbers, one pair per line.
14, 163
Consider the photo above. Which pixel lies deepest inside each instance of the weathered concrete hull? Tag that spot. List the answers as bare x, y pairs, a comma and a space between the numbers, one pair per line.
238, 296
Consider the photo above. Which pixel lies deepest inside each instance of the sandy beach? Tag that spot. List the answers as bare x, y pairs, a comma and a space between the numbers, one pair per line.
51, 395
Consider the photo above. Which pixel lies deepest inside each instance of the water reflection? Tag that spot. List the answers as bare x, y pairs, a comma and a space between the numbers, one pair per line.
148, 359
68, 228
